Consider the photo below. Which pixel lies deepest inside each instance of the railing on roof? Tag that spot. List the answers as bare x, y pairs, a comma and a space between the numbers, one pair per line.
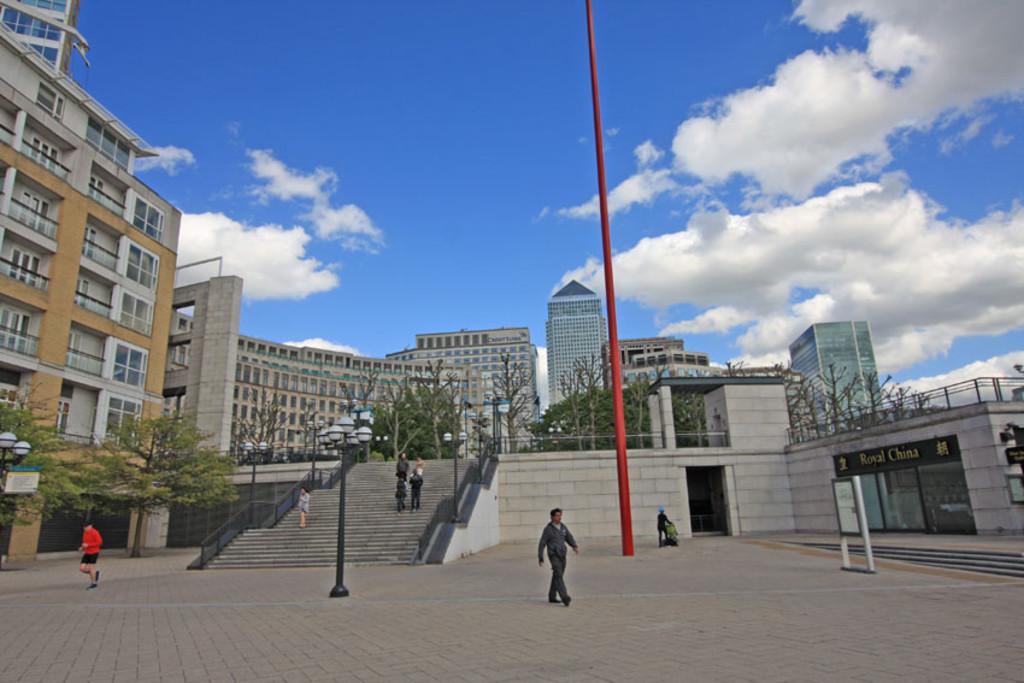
916, 404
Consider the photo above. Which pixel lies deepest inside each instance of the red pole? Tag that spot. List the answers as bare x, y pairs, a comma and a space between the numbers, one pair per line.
625, 515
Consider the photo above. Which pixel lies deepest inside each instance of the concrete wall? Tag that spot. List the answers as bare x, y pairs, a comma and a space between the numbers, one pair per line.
483, 529
755, 416
584, 484
977, 429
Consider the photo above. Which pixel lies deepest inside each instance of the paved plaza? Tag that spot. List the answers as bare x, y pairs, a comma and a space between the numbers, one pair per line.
715, 609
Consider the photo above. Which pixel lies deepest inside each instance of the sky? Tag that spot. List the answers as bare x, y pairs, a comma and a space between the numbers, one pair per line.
378, 170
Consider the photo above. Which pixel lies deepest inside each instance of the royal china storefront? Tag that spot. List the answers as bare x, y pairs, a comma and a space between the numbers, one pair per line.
914, 487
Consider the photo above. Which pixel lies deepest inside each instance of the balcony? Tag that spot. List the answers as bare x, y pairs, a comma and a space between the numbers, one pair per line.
22, 274
6, 135
99, 254
136, 323
85, 362
57, 168
28, 216
106, 200
90, 304
19, 342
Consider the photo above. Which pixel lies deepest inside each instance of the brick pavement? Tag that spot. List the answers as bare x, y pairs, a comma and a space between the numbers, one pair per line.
715, 609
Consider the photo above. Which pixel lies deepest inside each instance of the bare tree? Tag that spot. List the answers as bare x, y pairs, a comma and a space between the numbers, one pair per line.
436, 394
397, 415
265, 418
515, 384
572, 396
590, 381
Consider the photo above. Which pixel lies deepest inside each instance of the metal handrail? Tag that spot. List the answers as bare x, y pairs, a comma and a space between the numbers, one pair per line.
39, 222
967, 392
31, 278
447, 508
246, 518
94, 251
48, 162
83, 300
99, 195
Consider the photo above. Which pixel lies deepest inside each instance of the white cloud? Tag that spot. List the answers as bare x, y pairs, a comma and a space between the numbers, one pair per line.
827, 115
169, 159
970, 131
996, 366
642, 188
542, 378
542, 214
612, 132
1001, 139
647, 153
321, 343
349, 223
875, 251
270, 258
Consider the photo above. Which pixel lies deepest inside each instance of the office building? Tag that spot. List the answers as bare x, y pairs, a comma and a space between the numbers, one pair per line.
45, 26
576, 332
651, 358
484, 352
837, 349
87, 259
222, 376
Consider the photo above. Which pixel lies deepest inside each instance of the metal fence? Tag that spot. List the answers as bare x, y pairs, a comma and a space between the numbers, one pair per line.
904, 406
606, 442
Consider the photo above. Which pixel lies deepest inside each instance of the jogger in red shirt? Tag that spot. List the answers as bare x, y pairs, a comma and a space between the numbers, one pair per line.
91, 544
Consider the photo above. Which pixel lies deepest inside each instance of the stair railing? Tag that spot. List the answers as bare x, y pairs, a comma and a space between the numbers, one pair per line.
476, 473
248, 518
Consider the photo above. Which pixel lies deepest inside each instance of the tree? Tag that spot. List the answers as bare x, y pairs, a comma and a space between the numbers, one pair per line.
60, 487
151, 464
435, 399
266, 416
396, 416
515, 384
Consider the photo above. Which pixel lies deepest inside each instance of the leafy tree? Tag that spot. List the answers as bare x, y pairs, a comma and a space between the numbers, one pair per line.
59, 487
151, 464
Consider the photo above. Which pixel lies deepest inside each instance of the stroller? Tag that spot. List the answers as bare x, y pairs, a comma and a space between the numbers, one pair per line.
671, 535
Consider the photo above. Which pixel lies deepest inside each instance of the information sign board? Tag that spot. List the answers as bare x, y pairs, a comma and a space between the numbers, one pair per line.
846, 507
21, 481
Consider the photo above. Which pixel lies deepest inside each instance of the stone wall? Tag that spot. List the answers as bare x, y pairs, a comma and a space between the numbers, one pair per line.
584, 484
977, 429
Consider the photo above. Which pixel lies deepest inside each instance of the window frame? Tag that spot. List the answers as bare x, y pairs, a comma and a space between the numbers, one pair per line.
128, 371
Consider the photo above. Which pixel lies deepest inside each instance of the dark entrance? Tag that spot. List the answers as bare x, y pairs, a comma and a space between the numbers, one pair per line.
707, 500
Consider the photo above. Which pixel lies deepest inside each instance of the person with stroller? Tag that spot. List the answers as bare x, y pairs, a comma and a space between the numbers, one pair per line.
667, 534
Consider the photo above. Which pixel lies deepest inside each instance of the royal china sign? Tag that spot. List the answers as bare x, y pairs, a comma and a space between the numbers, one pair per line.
899, 456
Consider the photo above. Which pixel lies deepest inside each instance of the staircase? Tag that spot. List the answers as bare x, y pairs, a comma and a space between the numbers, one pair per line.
374, 532
982, 561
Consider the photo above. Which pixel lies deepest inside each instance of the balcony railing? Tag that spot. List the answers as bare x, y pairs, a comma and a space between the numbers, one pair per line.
99, 254
85, 362
92, 304
6, 135
19, 342
28, 216
22, 274
37, 155
106, 200
136, 323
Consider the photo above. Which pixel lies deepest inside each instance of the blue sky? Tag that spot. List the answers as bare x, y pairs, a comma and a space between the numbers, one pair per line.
375, 170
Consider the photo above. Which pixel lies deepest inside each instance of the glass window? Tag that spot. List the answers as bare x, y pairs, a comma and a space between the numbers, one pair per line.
19, 22
52, 5
136, 313
148, 219
142, 266
901, 500
1017, 490
129, 365
120, 408
107, 143
50, 101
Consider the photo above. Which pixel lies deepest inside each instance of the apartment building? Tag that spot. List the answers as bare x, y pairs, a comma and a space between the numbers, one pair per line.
87, 254
46, 26
87, 259
221, 375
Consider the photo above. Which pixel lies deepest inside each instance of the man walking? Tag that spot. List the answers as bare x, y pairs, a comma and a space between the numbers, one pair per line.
402, 467
90, 548
555, 537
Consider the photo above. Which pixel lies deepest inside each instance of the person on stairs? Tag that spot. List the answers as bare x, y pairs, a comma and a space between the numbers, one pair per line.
400, 495
402, 467
415, 483
303, 506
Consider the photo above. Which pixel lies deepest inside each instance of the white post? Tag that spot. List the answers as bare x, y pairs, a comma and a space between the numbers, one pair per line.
862, 518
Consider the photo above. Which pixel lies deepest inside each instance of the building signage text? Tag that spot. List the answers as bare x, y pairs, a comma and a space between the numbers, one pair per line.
898, 456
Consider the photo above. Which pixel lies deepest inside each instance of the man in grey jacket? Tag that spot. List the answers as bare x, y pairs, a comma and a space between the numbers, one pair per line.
555, 537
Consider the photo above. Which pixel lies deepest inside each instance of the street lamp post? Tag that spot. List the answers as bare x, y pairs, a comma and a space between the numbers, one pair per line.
18, 450
254, 454
341, 434
455, 482
316, 428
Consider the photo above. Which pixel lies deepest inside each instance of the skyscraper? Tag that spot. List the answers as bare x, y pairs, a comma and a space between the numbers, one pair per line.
845, 346
576, 331
46, 26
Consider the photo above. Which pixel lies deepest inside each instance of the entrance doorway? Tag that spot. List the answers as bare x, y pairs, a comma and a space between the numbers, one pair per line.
931, 498
707, 500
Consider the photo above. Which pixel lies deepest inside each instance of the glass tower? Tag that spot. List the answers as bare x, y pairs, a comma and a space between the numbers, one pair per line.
846, 346
43, 25
576, 330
